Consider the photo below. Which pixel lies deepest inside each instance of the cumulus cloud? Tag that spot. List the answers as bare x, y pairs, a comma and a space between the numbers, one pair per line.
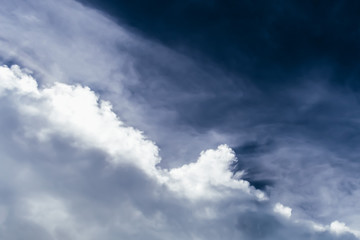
75, 112
339, 227
210, 176
282, 210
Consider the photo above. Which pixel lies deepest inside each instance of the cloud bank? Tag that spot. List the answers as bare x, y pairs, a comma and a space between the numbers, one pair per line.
77, 115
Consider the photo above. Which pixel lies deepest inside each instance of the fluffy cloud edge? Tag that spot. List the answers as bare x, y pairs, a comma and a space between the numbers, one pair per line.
77, 113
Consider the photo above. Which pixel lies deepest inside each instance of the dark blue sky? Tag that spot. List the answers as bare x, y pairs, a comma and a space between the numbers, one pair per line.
275, 47
284, 53
270, 42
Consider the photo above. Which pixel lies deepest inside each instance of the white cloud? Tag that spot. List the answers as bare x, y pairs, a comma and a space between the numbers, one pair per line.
339, 227
75, 112
210, 177
336, 228
282, 210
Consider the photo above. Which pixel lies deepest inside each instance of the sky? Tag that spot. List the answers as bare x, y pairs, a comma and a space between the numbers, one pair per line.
179, 120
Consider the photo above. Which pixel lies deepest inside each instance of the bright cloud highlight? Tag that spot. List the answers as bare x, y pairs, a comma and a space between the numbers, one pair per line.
75, 112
